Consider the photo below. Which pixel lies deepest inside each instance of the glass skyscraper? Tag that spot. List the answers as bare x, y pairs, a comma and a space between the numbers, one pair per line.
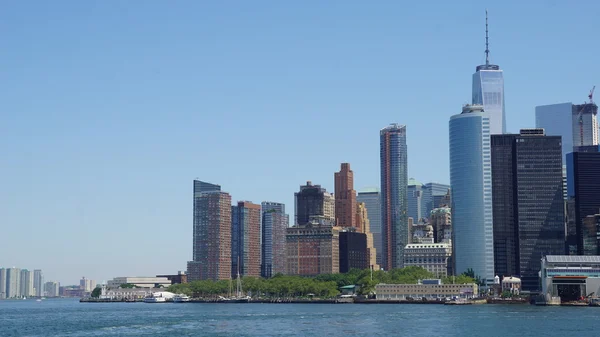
556, 120
394, 181
372, 201
471, 192
415, 200
274, 225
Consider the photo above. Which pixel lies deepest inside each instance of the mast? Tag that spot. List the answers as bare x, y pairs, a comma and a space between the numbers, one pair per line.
487, 49
239, 281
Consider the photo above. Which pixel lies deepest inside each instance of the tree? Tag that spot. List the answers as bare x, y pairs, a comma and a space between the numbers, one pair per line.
127, 286
96, 292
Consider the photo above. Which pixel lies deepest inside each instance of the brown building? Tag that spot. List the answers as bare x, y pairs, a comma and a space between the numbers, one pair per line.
312, 250
345, 198
212, 236
178, 278
363, 222
245, 239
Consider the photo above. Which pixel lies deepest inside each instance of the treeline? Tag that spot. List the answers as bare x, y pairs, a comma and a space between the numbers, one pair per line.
323, 286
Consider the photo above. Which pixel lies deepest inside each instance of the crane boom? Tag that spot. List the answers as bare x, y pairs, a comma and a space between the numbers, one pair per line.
591, 95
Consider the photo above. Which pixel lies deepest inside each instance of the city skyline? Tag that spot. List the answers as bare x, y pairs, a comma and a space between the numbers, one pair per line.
113, 139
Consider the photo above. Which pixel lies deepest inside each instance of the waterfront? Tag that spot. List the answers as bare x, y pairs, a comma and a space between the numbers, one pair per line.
68, 317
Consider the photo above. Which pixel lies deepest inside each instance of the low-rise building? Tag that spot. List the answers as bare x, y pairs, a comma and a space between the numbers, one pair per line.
570, 277
511, 284
140, 281
432, 256
178, 278
430, 290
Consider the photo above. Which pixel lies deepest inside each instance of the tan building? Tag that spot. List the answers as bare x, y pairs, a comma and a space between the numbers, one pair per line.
431, 256
312, 250
418, 291
363, 222
345, 198
245, 239
441, 220
329, 207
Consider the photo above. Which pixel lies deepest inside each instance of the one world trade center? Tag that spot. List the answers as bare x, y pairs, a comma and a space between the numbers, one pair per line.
488, 90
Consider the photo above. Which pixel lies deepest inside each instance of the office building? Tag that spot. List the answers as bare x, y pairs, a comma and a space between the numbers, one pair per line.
488, 90
471, 188
353, 251
211, 234
362, 219
52, 289
370, 197
13, 282
434, 195
312, 249
434, 257
441, 221
583, 191
585, 125
140, 281
556, 120
274, 225
528, 203
426, 288
313, 202
345, 197
394, 207
38, 282
245, 239
179, 278
414, 196
3, 279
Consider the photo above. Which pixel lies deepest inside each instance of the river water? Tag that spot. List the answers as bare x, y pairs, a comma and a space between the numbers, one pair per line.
67, 317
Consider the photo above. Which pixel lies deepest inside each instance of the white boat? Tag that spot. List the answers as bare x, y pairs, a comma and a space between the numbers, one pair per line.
181, 298
153, 299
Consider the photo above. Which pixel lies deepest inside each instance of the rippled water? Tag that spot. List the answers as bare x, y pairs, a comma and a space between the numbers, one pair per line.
70, 318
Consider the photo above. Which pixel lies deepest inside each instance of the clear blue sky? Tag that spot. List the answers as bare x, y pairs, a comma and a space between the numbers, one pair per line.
111, 108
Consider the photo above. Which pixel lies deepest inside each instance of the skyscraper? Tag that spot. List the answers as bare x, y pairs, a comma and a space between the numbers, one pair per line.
13, 282
312, 250
345, 197
372, 202
274, 225
471, 188
433, 197
313, 202
2, 283
527, 203
245, 239
38, 282
26, 283
414, 200
585, 125
583, 190
488, 90
557, 120
212, 234
394, 181
362, 219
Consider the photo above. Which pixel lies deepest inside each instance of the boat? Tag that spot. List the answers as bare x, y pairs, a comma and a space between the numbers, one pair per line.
154, 299
181, 298
238, 298
38, 300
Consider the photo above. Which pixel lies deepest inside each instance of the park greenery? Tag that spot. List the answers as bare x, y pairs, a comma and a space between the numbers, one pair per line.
96, 292
321, 286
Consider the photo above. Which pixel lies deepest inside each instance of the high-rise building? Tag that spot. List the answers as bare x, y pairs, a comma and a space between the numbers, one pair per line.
362, 219
370, 197
527, 203
245, 239
13, 282
38, 282
26, 283
313, 249
583, 190
52, 289
345, 197
471, 182
441, 221
585, 125
488, 90
274, 225
353, 251
3, 279
211, 235
556, 120
394, 182
433, 197
414, 197
313, 202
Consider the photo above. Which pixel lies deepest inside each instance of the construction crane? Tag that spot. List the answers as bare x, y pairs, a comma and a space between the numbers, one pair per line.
580, 117
591, 95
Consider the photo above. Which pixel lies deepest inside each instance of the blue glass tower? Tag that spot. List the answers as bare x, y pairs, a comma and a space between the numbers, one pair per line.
471, 192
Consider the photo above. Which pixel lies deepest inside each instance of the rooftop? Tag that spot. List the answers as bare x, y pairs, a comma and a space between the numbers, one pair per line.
573, 258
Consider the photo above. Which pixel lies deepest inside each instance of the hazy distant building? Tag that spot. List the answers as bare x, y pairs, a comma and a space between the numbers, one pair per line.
245, 239
274, 225
3, 279
345, 197
353, 251
362, 219
13, 282
471, 182
27, 283
394, 181
557, 120
313, 201
414, 196
585, 125
528, 203
211, 234
52, 289
371, 199
38, 282
312, 249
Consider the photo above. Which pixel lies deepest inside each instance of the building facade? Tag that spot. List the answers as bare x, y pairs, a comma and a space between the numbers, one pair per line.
585, 125
353, 251
371, 199
312, 250
414, 198
3, 280
52, 289
38, 282
245, 239
313, 201
179, 278
528, 203
570, 277
345, 198
441, 221
362, 217
274, 225
13, 283
471, 188
433, 197
394, 207
583, 191
26, 285
557, 120
139, 281
431, 256
211, 234
418, 291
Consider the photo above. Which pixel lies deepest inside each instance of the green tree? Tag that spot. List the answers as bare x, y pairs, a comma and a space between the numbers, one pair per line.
127, 286
96, 292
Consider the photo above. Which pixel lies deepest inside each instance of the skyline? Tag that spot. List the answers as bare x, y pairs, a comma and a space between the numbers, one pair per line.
107, 122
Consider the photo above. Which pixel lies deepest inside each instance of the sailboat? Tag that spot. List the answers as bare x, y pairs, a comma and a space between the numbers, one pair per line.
239, 298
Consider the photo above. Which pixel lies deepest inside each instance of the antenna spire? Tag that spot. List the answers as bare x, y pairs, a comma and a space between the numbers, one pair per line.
487, 49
